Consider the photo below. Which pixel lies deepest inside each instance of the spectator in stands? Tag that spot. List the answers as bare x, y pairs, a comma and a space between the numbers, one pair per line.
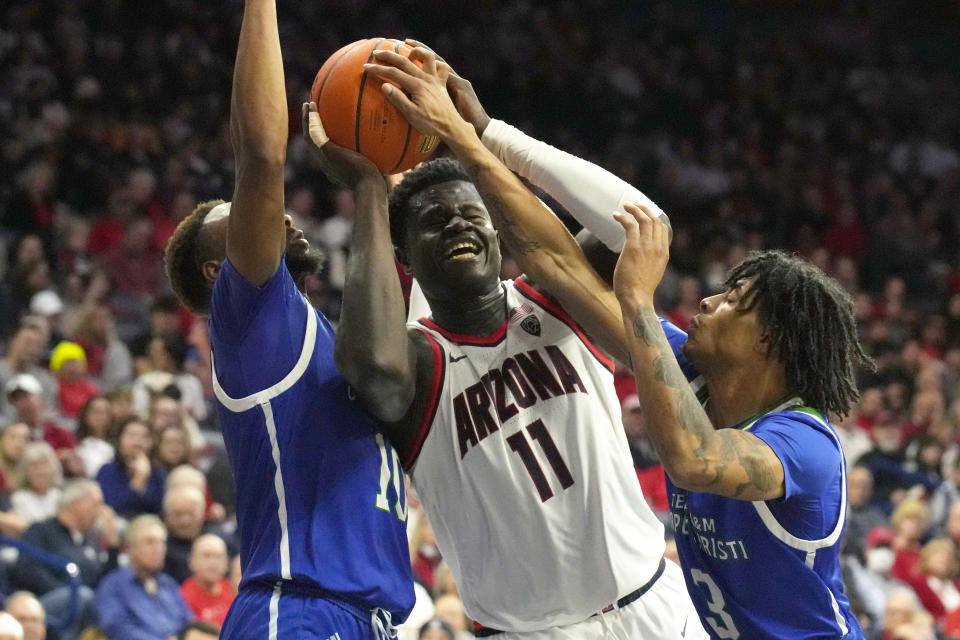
108, 359
68, 362
164, 323
449, 608
436, 629
23, 357
13, 439
84, 532
26, 396
183, 513
935, 582
207, 591
30, 613
172, 447
130, 483
10, 629
198, 630
167, 356
42, 474
869, 581
862, 514
94, 433
140, 601
121, 405
166, 410
646, 463
909, 522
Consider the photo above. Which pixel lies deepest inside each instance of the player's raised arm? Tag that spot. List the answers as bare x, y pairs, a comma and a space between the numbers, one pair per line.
258, 129
371, 350
543, 247
727, 462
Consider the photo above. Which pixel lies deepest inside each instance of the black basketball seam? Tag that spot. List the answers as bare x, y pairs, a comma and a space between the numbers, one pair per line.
327, 77
363, 81
406, 143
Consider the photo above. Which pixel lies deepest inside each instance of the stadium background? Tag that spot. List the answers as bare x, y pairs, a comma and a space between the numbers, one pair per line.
826, 128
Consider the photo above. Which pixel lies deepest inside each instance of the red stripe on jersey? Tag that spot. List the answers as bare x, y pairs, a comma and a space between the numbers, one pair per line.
430, 412
562, 315
462, 338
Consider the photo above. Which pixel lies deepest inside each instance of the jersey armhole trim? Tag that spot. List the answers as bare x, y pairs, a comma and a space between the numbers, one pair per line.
430, 412
239, 405
780, 532
557, 311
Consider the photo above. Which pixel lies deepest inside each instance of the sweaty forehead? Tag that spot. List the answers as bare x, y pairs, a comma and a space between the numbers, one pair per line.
452, 191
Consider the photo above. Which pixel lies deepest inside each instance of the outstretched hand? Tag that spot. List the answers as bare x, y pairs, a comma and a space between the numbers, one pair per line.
342, 166
461, 91
645, 254
422, 95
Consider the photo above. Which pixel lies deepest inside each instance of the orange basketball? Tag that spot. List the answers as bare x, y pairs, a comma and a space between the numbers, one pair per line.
356, 115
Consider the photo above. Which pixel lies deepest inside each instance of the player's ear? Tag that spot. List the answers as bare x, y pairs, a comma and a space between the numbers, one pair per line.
210, 269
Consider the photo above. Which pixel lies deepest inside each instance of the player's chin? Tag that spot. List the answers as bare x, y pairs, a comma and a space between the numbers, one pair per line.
304, 261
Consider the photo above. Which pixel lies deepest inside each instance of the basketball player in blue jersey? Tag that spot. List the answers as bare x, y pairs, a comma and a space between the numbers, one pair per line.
320, 502
759, 506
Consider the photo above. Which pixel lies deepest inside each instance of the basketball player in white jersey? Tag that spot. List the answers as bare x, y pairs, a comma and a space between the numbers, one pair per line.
503, 410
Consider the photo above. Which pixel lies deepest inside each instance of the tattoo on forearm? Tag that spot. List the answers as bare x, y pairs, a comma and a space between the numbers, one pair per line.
736, 448
510, 232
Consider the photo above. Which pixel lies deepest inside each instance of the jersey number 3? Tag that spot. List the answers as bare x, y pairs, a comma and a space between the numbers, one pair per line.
519, 443
723, 625
387, 471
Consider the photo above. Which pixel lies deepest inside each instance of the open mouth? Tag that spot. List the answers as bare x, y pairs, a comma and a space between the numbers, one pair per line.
462, 251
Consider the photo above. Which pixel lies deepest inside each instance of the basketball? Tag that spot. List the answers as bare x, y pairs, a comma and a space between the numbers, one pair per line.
357, 115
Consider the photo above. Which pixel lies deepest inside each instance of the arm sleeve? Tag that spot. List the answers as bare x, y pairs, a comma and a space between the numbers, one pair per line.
256, 332
590, 193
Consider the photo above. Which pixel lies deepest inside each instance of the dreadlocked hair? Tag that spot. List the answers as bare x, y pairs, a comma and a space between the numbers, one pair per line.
182, 259
810, 322
426, 175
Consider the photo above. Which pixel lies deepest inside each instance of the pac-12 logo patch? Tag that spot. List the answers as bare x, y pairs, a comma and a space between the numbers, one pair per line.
531, 324
527, 320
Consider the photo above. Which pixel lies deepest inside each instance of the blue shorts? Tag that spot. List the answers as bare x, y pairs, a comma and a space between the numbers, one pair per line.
263, 615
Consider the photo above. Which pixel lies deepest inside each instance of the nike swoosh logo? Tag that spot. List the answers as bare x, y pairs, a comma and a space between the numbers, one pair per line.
452, 359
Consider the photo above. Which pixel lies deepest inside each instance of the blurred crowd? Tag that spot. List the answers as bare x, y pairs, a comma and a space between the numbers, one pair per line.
827, 129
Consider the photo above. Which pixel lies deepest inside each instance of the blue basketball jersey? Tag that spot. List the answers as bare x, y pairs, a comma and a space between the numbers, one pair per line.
321, 507
770, 569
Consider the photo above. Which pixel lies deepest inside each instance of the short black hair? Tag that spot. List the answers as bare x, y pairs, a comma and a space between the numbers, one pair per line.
810, 321
427, 174
183, 260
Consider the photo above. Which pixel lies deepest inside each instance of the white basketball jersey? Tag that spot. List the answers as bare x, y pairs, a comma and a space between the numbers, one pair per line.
525, 472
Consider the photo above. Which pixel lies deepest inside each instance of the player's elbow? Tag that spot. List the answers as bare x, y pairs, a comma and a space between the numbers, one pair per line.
384, 387
688, 473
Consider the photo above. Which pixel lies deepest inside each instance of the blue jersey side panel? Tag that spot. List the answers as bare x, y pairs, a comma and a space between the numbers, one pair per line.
745, 581
332, 521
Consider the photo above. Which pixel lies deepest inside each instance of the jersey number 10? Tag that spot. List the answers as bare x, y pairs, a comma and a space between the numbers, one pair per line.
519, 443
388, 471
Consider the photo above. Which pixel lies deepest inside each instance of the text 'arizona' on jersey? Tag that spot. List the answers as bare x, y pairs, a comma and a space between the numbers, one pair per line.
525, 472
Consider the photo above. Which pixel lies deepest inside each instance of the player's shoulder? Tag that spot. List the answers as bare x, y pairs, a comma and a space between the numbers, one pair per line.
802, 424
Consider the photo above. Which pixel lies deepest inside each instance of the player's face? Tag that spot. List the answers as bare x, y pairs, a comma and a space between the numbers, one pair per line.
302, 259
723, 335
452, 245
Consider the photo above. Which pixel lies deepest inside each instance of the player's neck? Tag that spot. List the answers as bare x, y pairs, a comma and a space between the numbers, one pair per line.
739, 394
476, 315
